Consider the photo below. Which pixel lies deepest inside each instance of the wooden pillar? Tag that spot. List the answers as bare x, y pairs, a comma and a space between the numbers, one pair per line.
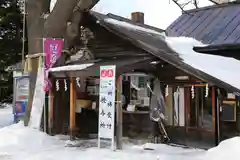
216, 114
213, 109
119, 115
72, 108
51, 110
186, 108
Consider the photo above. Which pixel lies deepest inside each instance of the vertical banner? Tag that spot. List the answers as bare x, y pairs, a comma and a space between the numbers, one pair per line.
53, 50
107, 103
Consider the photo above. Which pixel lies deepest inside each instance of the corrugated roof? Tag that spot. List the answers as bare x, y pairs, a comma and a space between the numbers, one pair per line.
218, 24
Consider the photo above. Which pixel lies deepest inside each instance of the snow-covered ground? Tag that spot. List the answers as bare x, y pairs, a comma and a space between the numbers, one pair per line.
19, 142
6, 116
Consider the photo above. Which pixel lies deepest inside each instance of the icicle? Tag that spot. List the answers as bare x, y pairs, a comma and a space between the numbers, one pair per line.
78, 82
192, 91
207, 90
166, 91
57, 85
65, 84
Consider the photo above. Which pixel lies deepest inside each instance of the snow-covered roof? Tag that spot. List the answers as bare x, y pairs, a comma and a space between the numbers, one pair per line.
178, 51
223, 68
133, 27
76, 67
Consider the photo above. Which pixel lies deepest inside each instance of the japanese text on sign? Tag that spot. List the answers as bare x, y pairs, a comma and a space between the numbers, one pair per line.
107, 102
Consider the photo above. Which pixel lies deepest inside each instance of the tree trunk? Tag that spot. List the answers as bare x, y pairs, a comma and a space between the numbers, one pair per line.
41, 25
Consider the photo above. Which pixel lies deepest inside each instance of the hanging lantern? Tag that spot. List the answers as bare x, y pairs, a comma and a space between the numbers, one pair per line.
207, 90
78, 82
65, 84
192, 92
57, 85
166, 91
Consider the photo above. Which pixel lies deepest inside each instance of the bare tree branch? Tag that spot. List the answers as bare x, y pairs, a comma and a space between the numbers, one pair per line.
213, 2
182, 4
185, 4
195, 2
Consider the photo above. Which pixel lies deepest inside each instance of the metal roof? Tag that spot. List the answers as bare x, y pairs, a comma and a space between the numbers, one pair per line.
219, 24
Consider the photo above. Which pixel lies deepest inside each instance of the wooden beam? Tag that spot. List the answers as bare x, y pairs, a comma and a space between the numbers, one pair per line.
119, 115
35, 55
72, 108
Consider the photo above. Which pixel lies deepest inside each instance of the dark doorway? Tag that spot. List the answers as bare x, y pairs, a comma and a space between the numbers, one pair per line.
200, 120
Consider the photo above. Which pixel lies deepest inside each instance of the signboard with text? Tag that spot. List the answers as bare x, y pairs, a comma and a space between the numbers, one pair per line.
22, 88
107, 103
20, 97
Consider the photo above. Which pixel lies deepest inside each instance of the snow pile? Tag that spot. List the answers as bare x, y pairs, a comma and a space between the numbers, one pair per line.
17, 138
228, 149
6, 115
223, 68
19, 142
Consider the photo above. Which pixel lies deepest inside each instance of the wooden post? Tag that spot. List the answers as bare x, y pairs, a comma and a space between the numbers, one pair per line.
213, 109
51, 110
218, 116
72, 108
46, 113
119, 115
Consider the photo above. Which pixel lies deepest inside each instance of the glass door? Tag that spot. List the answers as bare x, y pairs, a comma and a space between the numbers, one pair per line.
200, 109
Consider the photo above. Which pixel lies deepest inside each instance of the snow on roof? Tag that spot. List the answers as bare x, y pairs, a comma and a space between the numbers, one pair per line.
133, 27
222, 68
71, 67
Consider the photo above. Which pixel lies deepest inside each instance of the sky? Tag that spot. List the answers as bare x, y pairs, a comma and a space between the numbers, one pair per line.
158, 13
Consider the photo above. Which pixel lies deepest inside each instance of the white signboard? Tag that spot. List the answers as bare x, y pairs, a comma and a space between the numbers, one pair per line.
107, 103
38, 100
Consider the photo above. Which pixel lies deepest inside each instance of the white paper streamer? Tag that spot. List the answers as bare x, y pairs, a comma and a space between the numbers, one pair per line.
192, 92
57, 85
166, 91
207, 91
78, 82
65, 84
